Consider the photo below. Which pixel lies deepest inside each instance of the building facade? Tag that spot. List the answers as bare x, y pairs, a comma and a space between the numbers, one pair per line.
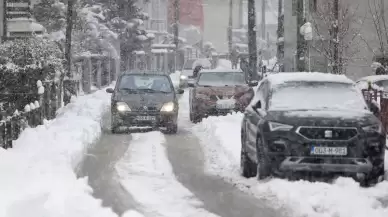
16, 19
361, 51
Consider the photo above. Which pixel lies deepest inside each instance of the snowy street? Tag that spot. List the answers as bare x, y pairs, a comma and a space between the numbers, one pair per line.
162, 175
193, 173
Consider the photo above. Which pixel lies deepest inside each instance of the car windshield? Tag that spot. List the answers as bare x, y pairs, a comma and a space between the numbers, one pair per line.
145, 83
221, 78
316, 96
383, 84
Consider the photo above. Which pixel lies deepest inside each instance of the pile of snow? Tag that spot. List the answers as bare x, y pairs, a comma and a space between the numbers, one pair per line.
220, 139
175, 78
37, 175
224, 64
146, 173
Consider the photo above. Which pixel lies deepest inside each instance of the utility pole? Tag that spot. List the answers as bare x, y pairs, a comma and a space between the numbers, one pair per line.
230, 27
280, 32
5, 11
383, 21
69, 29
263, 30
336, 67
240, 13
176, 31
300, 42
252, 46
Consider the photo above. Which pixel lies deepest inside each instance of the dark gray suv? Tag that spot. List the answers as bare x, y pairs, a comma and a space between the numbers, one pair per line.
144, 100
302, 124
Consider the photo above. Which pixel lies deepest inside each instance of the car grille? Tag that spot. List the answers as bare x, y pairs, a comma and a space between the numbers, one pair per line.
328, 133
148, 108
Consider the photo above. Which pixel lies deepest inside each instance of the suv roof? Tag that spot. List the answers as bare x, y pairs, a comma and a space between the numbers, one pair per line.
284, 77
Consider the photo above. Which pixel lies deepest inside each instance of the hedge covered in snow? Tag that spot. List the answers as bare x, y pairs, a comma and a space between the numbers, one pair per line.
25, 61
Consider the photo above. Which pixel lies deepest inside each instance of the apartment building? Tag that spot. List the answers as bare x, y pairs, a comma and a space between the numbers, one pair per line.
16, 19
364, 47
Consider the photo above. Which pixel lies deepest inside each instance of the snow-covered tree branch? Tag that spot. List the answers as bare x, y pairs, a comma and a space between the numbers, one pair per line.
347, 39
376, 10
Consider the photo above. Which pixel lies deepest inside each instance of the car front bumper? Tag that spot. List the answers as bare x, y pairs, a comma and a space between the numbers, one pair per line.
209, 108
154, 119
288, 153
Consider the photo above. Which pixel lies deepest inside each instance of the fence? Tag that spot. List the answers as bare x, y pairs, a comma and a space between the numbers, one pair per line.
378, 99
21, 110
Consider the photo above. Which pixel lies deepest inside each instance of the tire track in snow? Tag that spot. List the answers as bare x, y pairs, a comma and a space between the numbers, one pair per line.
146, 173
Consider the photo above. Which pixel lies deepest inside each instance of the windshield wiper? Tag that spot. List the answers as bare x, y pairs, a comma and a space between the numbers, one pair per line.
130, 90
148, 90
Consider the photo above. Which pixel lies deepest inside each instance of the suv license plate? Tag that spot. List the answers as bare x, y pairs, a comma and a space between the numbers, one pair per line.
337, 151
226, 104
145, 118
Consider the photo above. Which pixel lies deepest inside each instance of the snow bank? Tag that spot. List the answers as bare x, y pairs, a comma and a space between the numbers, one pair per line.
224, 64
175, 77
37, 175
220, 139
221, 134
147, 174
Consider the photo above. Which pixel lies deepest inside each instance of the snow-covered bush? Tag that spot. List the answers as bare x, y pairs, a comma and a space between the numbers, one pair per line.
34, 52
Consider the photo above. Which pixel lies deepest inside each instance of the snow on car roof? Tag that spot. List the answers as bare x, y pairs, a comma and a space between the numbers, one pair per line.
374, 78
284, 77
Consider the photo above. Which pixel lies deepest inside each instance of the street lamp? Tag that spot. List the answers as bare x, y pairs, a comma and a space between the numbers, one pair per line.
307, 31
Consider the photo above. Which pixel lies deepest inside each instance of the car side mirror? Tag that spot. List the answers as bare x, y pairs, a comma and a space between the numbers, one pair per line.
253, 83
180, 91
110, 90
257, 105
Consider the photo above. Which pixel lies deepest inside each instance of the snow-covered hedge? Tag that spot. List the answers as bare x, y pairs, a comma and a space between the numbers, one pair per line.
34, 52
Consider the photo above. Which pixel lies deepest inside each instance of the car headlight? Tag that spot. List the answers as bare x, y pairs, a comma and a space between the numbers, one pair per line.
376, 128
122, 107
168, 107
183, 77
273, 126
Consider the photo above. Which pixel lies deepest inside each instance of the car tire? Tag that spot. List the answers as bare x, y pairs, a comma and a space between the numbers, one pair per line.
172, 129
114, 126
195, 117
263, 165
374, 177
248, 167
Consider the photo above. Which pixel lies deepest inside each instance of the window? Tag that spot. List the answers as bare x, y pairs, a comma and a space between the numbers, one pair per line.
221, 78
261, 95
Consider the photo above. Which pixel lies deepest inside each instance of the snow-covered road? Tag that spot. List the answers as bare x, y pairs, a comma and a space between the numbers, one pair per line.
192, 173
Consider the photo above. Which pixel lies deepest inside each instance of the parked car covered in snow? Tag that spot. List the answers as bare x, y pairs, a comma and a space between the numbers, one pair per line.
219, 92
377, 82
311, 123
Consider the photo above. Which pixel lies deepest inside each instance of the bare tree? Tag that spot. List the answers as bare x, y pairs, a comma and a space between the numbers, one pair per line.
338, 32
376, 9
